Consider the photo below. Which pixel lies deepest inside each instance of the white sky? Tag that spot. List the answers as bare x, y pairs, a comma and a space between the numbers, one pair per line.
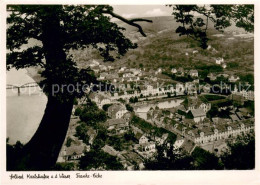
130, 11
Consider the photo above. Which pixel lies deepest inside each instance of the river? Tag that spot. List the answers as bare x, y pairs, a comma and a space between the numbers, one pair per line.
143, 109
24, 112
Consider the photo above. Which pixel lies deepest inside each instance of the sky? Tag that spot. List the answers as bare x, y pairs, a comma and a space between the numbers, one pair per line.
131, 11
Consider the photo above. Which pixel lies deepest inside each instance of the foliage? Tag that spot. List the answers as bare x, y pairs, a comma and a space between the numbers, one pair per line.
250, 105
81, 132
241, 154
68, 142
220, 15
61, 29
63, 166
77, 111
105, 107
91, 115
99, 160
129, 108
133, 99
204, 160
13, 152
182, 79
171, 161
213, 97
130, 136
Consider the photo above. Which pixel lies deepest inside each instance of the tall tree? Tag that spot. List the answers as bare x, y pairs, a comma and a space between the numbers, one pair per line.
60, 29
195, 19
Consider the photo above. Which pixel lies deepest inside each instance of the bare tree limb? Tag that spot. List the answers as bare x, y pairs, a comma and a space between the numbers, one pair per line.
130, 22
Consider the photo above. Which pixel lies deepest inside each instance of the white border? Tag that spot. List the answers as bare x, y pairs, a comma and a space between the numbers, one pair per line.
133, 177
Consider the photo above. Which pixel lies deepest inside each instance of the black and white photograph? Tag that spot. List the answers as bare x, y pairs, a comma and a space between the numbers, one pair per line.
104, 87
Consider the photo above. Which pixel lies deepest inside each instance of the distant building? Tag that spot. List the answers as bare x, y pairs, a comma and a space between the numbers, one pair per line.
211, 76
205, 107
103, 68
116, 111
110, 150
94, 63
198, 115
117, 126
193, 73
99, 99
174, 70
158, 71
143, 139
248, 95
74, 152
195, 51
233, 78
222, 132
219, 60
103, 76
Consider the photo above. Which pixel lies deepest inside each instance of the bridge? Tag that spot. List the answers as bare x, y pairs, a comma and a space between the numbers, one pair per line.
27, 85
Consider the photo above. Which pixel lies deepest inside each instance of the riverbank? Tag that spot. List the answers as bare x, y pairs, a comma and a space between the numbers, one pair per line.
24, 112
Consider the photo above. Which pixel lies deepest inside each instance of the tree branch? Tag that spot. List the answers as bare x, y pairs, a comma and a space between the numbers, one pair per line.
130, 22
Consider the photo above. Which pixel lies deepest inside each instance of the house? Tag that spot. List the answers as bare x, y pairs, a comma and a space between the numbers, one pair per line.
212, 77
205, 107
94, 63
219, 60
122, 69
132, 159
188, 146
233, 78
248, 95
99, 99
223, 132
180, 87
103, 76
136, 71
195, 51
103, 68
173, 70
148, 149
224, 65
110, 67
193, 73
198, 115
143, 139
196, 81
116, 111
110, 150
162, 139
158, 71
95, 69
239, 115
223, 75
150, 90
180, 72
74, 152
128, 75
179, 141
117, 126
234, 117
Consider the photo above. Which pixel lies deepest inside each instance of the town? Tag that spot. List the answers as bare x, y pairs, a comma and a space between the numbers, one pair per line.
183, 108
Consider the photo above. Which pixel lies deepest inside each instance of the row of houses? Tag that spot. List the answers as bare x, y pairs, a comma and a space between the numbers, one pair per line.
222, 132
